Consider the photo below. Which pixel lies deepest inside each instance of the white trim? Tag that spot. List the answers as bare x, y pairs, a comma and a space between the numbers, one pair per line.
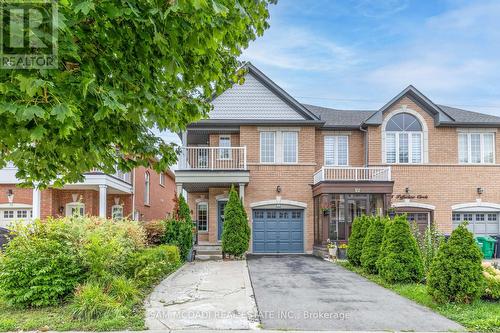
425, 136
297, 204
15, 206
278, 129
477, 206
403, 204
477, 130
115, 207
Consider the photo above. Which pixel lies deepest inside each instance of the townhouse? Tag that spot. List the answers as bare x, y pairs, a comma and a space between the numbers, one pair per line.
142, 194
305, 172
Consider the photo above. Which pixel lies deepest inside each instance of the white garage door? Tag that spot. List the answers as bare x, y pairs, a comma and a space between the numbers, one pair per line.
480, 223
10, 215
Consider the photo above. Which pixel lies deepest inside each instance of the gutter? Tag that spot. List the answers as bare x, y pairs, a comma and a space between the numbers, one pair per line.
366, 144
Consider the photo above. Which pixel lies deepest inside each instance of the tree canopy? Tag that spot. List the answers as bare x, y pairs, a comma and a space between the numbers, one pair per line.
125, 67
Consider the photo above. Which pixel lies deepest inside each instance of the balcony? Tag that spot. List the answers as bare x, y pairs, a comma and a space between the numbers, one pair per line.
123, 176
352, 174
213, 158
203, 167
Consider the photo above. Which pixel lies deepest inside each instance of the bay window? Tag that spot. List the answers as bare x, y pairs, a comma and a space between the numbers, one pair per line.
476, 148
336, 150
403, 139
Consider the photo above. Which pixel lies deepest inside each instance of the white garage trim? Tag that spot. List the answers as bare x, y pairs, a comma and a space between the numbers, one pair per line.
280, 203
413, 205
477, 206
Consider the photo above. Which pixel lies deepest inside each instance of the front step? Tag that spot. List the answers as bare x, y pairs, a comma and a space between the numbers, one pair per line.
208, 252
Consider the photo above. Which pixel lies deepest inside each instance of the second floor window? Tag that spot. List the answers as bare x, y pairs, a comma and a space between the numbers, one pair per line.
146, 188
336, 150
476, 148
162, 179
403, 139
279, 147
225, 153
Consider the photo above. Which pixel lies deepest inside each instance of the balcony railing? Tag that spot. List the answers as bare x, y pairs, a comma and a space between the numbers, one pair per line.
213, 158
375, 174
125, 176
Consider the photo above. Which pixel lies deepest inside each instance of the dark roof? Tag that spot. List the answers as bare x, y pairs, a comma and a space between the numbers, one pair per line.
335, 118
464, 116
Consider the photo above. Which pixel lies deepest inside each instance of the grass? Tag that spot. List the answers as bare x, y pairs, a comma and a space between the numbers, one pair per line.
60, 319
480, 316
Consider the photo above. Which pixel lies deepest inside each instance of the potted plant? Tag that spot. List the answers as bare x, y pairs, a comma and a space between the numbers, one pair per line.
332, 249
342, 251
326, 211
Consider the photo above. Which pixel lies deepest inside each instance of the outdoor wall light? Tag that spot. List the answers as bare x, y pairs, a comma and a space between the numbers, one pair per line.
61, 210
10, 196
278, 189
407, 190
480, 190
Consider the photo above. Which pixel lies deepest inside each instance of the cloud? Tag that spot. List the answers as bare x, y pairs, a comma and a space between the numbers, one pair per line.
300, 49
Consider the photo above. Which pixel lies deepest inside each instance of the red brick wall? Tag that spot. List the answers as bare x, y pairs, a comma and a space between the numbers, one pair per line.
161, 197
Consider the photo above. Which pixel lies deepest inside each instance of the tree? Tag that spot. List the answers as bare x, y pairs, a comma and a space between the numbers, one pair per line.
125, 67
400, 260
236, 233
456, 274
359, 228
181, 209
371, 245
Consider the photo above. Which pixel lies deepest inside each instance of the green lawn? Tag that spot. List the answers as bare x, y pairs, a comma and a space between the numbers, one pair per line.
483, 316
60, 319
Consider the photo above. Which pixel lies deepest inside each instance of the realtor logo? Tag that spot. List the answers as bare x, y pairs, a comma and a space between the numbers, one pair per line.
28, 35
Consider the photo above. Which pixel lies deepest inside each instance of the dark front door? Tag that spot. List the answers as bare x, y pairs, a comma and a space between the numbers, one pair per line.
220, 218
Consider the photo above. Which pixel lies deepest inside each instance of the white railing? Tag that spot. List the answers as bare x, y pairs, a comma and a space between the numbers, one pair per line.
125, 176
213, 158
328, 173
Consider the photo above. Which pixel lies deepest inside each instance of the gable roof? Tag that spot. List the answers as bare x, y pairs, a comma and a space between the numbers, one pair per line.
425, 103
335, 118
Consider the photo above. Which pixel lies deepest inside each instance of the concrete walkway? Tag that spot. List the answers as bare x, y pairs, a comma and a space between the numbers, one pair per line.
203, 295
307, 293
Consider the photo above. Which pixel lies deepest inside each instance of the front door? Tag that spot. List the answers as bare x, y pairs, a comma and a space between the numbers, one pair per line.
220, 219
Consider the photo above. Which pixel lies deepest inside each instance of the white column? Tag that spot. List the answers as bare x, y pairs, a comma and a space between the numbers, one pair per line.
179, 189
102, 200
37, 196
242, 192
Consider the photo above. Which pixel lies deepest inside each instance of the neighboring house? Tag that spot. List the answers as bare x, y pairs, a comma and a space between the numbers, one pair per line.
305, 172
142, 194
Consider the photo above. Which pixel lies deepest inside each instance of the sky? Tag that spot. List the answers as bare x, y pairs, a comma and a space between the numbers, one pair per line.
360, 54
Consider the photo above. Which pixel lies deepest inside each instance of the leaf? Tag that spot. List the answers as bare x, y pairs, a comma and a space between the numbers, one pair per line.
198, 4
219, 8
85, 7
37, 133
33, 111
61, 111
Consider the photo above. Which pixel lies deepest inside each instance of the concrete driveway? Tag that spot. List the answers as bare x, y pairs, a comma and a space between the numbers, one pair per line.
307, 293
203, 295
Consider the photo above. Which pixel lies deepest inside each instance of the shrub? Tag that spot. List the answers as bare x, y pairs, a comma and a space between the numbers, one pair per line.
492, 278
180, 234
39, 267
456, 274
91, 302
371, 245
181, 210
429, 245
124, 290
236, 233
359, 228
155, 231
399, 260
151, 264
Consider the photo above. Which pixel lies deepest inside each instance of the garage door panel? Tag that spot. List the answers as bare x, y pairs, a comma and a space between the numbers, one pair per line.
278, 231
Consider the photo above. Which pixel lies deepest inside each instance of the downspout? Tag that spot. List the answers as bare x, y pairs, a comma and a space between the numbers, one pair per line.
133, 194
366, 143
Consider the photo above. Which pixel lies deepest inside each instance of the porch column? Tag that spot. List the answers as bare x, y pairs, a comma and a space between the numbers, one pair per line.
179, 189
102, 200
36, 202
242, 191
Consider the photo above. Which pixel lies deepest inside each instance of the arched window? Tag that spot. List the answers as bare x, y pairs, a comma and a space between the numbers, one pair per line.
146, 188
403, 139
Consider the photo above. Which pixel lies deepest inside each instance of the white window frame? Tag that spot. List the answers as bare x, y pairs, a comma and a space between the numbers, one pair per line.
278, 145
79, 206
162, 178
225, 153
147, 188
203, 203
397, 135
114, 210
296, 146
336, 150
468, 135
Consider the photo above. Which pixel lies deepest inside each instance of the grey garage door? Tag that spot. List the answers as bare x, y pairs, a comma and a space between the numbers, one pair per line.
278, 231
